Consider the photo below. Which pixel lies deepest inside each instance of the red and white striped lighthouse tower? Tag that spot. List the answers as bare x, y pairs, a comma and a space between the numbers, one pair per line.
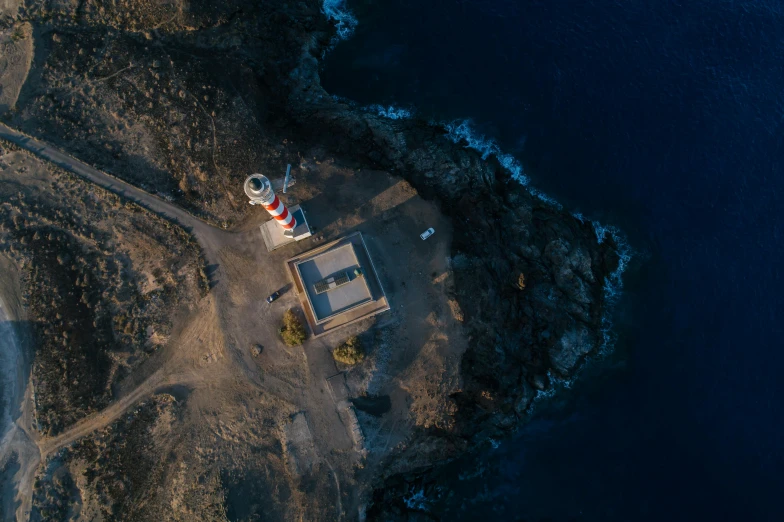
259, 190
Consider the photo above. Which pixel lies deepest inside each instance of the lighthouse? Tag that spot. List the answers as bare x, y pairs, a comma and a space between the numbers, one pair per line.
259, 190
291, 221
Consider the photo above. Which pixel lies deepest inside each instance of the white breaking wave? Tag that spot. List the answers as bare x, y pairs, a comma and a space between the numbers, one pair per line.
391, 112
418, 500
600, 230
556, 383
385, 111
613, 284
337, 11
545, 198
462, 130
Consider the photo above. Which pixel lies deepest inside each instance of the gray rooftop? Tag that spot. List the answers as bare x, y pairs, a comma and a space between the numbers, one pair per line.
360, 298
342, 298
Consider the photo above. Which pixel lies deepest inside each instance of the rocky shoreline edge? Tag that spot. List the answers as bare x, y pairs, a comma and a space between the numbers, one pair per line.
217, 91
536, 284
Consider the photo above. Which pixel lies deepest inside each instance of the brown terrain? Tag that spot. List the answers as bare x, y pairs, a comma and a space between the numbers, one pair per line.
146, 376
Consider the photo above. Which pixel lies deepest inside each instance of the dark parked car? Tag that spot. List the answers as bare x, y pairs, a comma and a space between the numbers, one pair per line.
273, 296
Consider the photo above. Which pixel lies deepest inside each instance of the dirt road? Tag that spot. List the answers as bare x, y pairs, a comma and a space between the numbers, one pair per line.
21, 451
17, 448
210, 238
322, 410
10, 373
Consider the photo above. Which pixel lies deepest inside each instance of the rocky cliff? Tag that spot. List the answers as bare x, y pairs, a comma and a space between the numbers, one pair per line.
184, 98
530, 276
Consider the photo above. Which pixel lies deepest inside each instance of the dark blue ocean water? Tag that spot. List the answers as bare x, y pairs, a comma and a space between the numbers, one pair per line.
665, 119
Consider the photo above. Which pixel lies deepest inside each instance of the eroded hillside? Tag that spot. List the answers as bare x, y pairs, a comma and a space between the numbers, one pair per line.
102, 276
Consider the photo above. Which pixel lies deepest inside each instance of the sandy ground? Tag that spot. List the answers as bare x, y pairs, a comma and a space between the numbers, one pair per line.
18, 452
9, 7
413, 350
10, 373
16, 55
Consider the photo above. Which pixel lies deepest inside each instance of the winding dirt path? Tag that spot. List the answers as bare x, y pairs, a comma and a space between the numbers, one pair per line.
19, 438
209, 237
323, 410
13, 444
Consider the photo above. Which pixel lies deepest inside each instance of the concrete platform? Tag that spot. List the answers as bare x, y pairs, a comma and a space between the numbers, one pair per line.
362, 297
272, 232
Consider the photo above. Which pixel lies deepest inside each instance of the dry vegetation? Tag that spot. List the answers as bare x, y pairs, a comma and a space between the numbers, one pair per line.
115, 464
350, 352
169, 96
199, 457
113, 474
292, 332
103, 275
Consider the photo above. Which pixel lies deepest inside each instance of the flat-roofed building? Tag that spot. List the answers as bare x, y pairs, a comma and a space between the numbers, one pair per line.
337, 284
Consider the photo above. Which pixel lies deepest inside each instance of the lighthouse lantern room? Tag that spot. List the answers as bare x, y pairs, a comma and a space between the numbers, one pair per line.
287, 225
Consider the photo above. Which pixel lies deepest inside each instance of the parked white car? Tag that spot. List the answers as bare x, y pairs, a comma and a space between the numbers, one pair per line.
427, 233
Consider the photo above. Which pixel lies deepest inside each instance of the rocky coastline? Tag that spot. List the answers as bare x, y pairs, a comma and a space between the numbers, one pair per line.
529, 276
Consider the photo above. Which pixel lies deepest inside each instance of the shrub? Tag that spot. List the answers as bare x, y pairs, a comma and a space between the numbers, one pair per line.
292, 331
350, 352
18, 34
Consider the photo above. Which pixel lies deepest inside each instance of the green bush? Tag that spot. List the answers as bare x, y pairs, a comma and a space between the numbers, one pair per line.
350, 352
292, 331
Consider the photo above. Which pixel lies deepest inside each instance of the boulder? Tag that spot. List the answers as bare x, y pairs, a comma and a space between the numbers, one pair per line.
570, 349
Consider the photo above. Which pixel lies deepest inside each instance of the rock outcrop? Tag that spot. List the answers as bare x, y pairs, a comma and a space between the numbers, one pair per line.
521, 328
184, 99
529, 276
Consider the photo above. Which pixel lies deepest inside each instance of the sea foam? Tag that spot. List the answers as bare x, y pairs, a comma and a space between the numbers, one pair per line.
613, 283
417, 500
391, 112
337, 11
463, 130
385, 111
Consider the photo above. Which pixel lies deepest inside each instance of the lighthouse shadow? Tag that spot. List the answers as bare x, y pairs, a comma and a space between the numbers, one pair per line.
321, 211
348, 198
